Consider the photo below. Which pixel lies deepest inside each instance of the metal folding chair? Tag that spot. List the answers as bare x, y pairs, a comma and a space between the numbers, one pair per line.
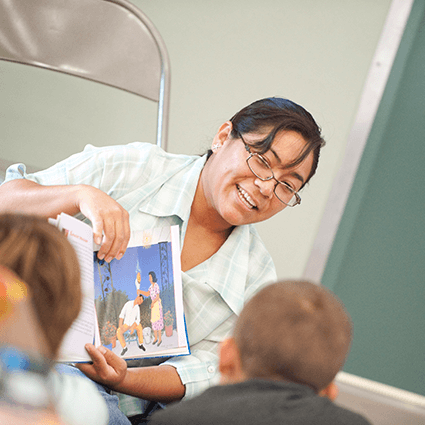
108, 41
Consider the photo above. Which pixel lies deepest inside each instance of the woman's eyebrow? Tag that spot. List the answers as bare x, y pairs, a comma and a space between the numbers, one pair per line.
296, 175
276, 155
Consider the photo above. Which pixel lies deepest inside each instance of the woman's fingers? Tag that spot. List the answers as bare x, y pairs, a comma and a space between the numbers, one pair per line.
116, 230
107, 368
92, 369
110, 221
117, 235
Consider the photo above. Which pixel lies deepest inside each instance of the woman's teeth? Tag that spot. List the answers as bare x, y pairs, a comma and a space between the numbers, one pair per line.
246, 198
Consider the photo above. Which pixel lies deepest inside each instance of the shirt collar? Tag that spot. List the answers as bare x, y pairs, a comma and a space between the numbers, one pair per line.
221, 268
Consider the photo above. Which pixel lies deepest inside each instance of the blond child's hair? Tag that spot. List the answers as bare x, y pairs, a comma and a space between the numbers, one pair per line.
43, 258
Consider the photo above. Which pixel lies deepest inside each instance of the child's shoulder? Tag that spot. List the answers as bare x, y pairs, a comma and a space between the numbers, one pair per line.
73, 390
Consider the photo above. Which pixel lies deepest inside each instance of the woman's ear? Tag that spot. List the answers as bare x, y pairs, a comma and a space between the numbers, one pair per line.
222, 135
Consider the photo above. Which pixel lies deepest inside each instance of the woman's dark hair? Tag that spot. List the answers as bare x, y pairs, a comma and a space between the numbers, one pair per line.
153, 276
279, 114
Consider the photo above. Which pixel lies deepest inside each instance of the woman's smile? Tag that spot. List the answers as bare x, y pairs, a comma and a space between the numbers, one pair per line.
245, 198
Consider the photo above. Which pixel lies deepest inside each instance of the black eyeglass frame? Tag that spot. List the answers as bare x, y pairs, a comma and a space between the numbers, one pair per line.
264, 161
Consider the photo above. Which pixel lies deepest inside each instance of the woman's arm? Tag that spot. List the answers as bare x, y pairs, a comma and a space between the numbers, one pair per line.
32, 198
106, 215
158, 383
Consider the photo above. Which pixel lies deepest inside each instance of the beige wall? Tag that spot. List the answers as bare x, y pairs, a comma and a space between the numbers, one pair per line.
224, 54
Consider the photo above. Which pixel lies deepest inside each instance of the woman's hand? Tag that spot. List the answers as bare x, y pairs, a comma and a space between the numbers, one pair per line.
107, 368
159, 383
109, 219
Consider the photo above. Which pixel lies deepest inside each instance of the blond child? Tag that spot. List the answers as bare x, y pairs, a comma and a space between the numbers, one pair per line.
40, 275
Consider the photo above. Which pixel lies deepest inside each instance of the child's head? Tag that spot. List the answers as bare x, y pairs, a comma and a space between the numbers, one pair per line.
44, 259
294, 331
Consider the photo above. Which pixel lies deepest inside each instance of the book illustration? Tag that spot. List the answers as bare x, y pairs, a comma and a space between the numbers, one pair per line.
131, 297
133, 306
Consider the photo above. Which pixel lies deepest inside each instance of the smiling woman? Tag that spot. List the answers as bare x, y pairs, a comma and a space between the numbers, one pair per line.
236, 195
266, 151
278, 135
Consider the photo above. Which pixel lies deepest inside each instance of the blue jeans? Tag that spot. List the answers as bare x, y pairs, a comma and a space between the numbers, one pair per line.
116, 417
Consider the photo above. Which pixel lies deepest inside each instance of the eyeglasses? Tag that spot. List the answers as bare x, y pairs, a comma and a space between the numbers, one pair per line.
261, 169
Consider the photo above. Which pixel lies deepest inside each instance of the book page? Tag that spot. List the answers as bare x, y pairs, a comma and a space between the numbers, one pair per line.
82, 331
133, 306
139, 298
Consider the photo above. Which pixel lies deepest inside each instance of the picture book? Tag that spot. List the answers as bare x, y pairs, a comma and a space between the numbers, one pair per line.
132, 306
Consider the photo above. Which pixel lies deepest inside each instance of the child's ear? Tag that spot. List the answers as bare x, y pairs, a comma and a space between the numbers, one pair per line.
230, 363
331, 391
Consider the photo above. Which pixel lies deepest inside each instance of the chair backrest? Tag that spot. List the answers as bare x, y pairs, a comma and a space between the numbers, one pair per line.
108, 41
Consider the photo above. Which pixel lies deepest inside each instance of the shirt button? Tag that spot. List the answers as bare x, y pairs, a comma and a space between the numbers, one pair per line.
211, 369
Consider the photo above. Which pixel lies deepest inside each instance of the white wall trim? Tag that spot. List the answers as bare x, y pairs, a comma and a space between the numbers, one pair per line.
376, 81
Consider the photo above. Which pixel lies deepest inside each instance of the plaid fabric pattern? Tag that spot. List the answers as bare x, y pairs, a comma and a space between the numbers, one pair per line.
157, 189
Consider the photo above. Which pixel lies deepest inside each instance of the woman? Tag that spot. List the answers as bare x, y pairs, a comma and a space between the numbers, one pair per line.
259, 160
157, 318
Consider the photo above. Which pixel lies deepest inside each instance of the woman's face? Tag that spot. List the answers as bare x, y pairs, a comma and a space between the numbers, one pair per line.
234, 192
150, 279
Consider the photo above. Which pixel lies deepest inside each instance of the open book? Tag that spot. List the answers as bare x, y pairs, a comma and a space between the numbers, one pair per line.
133, 306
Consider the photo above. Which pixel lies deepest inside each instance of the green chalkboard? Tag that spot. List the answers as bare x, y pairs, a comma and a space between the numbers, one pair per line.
377, 262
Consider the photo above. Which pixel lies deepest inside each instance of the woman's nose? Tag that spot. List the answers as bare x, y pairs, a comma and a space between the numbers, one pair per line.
266, 187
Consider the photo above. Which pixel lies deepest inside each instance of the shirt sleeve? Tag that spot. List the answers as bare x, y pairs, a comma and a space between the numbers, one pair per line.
112, 169
197, 371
